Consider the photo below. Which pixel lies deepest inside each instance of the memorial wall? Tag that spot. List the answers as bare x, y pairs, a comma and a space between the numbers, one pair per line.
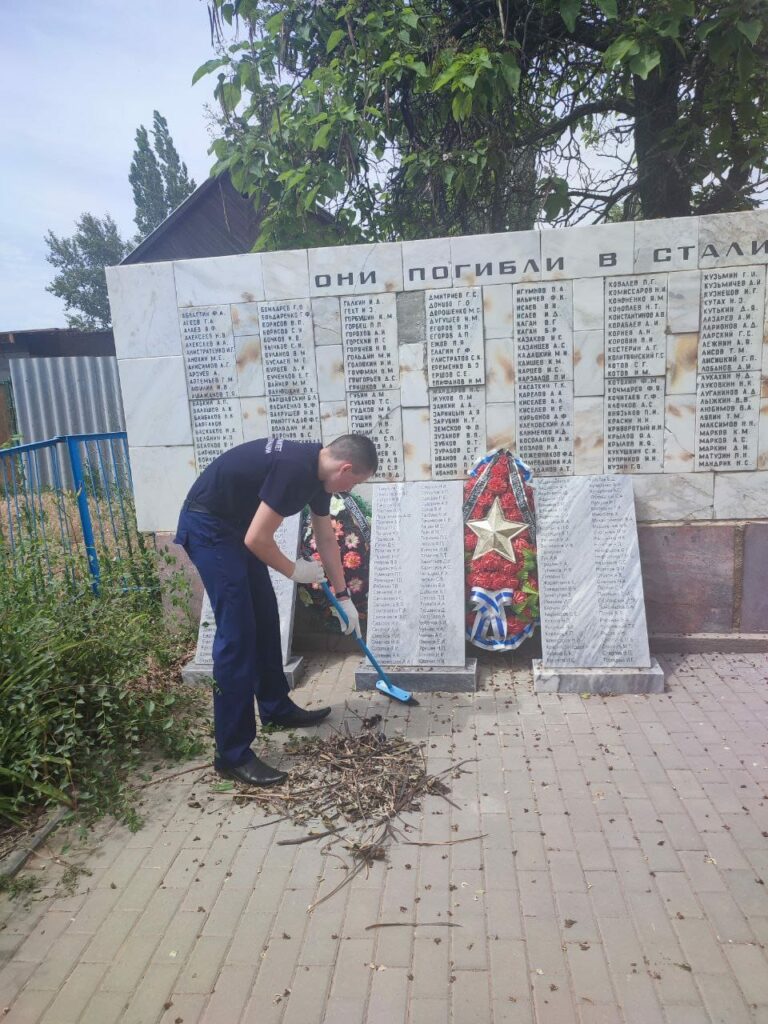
627, 348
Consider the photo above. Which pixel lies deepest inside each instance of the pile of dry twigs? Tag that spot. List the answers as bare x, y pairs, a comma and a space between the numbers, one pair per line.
351, 789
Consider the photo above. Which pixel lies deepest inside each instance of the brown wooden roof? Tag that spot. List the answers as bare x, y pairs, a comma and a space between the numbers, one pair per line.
216, 220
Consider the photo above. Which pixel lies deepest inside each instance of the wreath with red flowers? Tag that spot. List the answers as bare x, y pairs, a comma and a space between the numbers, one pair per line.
502, 595
351, 521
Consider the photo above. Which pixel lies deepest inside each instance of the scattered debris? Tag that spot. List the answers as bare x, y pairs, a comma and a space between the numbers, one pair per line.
351, 789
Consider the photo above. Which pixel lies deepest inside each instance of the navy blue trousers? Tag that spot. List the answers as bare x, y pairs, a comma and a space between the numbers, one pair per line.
247, 656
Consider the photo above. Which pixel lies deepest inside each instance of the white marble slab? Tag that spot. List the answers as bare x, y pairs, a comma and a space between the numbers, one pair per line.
250, 366
161, 479
285, 274
728, 408
588, 435
217, 426
413, 375
679, 433
288, 350
416, 450
588, 304
455, 353
219, 279
668, 244
330, 374
673, 496
733, 239
684, 307
427, 264
333, 420
245, 318
209, 352
634, 424
377, 415
155, 401
326, 320
587, 252
544, 331
545, 425
294, 415
635, 325
500, 370
590, 582
762, 437
369, 332
588, 363
457, 430
741, 495
255, 419
732, 316
500, 426
145, 320
416, 591
498, 314
502, 258
682, 363
356, 269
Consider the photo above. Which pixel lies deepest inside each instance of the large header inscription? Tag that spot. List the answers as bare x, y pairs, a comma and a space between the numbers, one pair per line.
626, 348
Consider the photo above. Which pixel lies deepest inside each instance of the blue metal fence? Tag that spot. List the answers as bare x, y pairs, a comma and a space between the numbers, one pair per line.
67, 503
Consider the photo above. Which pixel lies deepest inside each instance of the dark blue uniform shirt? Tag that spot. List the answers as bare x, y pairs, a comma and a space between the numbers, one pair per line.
281, 473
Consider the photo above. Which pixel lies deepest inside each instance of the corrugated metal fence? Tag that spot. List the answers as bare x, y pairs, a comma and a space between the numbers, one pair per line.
65, 395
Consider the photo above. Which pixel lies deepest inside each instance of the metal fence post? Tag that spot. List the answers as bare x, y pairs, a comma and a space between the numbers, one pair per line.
85, 515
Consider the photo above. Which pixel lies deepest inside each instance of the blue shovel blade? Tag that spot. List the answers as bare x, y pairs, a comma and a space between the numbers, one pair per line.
393, 691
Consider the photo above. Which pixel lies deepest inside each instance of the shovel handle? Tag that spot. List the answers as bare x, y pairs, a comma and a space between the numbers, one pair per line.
361, 643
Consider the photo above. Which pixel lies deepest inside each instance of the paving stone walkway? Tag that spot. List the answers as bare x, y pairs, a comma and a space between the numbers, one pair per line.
621, 877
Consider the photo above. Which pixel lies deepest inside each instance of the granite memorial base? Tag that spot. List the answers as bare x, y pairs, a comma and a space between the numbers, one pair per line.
194, 672
421, 679
609, 680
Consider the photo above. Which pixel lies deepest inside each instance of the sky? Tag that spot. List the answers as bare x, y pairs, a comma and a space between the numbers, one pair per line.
77, 78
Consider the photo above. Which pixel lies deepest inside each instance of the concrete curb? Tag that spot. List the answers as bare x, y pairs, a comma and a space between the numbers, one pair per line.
14, 862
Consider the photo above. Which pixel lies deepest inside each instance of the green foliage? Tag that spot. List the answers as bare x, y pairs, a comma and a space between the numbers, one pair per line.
158, 177
88, 684
80, 262
353, 121
147, 184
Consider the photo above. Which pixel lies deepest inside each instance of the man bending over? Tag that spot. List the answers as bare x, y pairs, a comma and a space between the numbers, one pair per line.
227, 527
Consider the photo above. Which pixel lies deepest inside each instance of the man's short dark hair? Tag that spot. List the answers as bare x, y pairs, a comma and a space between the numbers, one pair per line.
358, 450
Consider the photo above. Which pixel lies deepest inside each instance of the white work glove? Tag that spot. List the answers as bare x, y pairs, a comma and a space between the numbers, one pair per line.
353, 619
308, 571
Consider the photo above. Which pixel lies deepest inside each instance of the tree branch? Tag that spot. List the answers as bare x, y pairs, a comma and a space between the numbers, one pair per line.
614, 106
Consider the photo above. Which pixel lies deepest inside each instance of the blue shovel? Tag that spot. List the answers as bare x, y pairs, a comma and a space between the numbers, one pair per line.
384, 684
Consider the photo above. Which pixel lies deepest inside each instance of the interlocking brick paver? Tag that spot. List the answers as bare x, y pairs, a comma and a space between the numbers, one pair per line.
29, 1007
74, 995
616, 877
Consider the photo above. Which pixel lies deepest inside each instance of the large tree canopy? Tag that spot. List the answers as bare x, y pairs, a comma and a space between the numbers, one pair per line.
79, 263
422, 117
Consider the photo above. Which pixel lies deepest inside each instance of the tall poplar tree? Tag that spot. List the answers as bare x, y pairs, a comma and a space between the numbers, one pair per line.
158, 176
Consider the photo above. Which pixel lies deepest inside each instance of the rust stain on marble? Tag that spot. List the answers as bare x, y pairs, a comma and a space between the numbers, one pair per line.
508, 368
249, 353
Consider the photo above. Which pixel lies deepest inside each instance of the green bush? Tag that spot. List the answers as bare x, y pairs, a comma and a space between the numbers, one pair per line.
88, 685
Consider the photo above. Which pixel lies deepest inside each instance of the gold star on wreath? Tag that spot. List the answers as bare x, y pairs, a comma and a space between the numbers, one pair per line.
495, 533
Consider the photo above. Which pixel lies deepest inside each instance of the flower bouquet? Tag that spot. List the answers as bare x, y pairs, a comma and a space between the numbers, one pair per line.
351, 520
